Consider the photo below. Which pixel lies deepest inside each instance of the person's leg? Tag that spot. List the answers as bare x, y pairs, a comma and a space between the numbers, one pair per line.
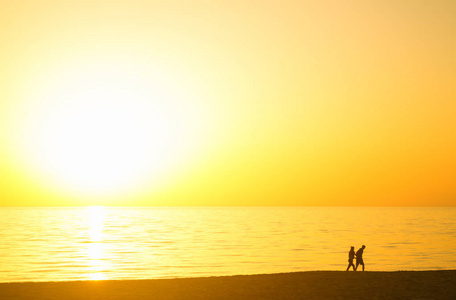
363, 266
357, 264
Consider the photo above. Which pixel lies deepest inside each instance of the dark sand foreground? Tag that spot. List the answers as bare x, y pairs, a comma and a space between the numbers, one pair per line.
303, 285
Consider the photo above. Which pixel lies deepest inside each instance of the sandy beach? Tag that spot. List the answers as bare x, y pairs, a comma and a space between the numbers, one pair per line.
301, 285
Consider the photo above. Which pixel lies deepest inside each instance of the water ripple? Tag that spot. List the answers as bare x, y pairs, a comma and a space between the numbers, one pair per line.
40, 244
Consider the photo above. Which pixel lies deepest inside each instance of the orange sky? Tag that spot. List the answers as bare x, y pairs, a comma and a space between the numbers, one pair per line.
331, 103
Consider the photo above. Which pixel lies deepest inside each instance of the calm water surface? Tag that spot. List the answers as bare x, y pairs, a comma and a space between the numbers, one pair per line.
51, 244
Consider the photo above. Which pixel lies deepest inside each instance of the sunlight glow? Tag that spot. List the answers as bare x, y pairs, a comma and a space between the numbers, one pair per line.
105, 129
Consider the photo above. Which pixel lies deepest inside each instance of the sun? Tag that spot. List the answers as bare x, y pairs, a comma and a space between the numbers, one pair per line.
104, 130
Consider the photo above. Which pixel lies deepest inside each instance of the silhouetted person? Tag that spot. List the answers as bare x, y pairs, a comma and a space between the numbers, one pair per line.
359, 257
351, 256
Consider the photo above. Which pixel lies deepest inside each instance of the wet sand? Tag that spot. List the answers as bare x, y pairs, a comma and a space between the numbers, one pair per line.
302, 285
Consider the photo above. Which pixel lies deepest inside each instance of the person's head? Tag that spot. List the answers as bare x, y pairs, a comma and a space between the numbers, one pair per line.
352, 248
364, 247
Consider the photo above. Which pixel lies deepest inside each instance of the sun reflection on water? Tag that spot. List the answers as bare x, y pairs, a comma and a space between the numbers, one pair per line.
97, 263
96, 220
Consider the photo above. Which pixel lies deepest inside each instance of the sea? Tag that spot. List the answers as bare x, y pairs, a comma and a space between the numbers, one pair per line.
117, 243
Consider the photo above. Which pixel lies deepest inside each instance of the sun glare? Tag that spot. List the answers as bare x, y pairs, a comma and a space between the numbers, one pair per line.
104, 130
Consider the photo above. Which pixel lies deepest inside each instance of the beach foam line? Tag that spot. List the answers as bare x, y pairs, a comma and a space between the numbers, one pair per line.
300, 285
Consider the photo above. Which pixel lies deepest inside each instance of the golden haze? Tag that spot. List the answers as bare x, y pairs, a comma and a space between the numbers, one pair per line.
227, 103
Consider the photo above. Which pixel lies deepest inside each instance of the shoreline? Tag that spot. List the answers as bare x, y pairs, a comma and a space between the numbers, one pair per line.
439, 284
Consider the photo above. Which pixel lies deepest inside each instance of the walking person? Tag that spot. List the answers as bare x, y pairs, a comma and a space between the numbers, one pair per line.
359, 257
351, 256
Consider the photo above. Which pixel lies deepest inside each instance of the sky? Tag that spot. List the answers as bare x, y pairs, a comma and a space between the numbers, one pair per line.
162, 103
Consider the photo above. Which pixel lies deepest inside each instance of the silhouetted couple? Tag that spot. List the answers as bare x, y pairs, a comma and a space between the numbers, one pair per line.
359, 258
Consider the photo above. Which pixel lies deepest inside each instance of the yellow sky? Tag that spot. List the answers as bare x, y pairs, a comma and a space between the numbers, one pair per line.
340, 103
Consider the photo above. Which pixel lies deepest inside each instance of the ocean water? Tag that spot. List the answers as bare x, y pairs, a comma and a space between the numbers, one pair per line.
79, 243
